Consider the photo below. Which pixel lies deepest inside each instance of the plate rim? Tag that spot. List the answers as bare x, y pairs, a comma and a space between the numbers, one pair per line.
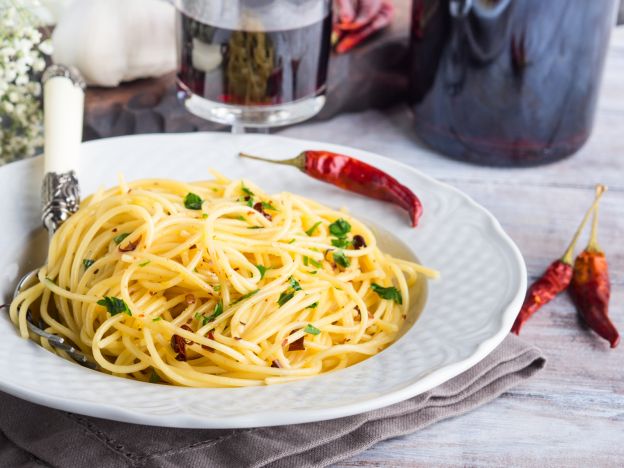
274, 418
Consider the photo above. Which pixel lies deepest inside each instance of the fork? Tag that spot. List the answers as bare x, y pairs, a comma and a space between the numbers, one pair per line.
63, 90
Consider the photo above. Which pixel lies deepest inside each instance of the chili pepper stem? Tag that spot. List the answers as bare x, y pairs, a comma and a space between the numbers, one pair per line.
592, 245
298, 161
568, 254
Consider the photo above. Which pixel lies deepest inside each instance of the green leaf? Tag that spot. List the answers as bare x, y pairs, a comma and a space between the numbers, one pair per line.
341, 242
192, 201
204, 215
119, 239
294, 284
311, 329
310, 231
306, 259
262, 269
315, 263
246, 296
285, 297
312, 306
339, 228
340, 259
217, 287
291, 241
218, 310
241, 218
145, 263
268, 206
87, 262
157, 319
390, 293
114, 305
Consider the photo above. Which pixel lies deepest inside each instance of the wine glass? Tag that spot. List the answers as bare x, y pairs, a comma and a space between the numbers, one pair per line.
253, 63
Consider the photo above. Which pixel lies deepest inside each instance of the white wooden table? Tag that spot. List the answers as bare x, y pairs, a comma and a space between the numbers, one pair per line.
572, 413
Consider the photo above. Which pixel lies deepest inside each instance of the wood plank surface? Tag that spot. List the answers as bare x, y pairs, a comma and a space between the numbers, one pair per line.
572, 413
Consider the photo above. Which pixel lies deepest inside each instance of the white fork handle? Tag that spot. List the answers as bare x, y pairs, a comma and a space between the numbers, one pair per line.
63, 106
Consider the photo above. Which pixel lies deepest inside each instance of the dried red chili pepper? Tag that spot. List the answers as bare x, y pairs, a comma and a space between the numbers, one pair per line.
354, 175
366, 12
555, 279
591, 289
345, 10
383, 19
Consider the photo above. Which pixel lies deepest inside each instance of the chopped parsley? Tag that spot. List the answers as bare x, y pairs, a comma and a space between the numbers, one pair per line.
268, 206
217, 287
114, 305
246, 296
262, 269
204, 215
310, 231
246, 191
311, 329
341, 242
192, 201
119, 239
285, 297
157, 319
145, 263
306, 259
340, 259
241, 218
339, 228
291, 241
218, 310
294, 284
87, 262
315, 263
154, 377
312, 306
390, 293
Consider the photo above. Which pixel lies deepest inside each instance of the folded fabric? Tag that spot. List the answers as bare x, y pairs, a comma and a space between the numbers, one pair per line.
32, 435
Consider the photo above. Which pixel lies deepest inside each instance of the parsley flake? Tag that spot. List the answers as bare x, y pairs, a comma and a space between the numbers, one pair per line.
157, 319
218, 310
310, 231
314, 305
246, 191
311, 329
145, 263
246, 296
341, 259
262, 269
268, 206
390, 293
341, 242
339, 228
114, 305
154, 377
192, 201
285, 297
204, 215
119, 239
87, 262
294, 284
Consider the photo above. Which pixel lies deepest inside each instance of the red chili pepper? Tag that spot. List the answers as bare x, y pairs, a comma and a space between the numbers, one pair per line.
353, 38
354, 175
555, 279
367, 10
591, 288
345, 10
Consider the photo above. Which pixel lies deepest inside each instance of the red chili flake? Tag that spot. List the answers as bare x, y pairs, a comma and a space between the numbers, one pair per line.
194, 246
237, 338
179, 344
297, 345
276, 364
258, 207
130, 246
190, 299
114, 229
211, 337
358, 242
96, 271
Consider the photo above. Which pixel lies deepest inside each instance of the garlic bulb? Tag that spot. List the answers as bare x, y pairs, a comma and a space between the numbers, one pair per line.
111, 41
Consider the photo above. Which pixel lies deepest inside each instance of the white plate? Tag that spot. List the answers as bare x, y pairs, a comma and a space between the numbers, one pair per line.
468, 311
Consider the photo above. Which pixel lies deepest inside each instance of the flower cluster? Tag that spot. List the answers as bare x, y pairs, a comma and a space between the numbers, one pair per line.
22, 59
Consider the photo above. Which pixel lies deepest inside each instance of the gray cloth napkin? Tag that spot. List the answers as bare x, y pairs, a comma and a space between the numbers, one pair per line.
32, 435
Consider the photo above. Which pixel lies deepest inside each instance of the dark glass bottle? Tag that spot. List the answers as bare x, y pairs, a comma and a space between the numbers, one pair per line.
507, 82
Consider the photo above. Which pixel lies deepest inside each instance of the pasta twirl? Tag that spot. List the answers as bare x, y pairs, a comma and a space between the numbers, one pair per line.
217, 283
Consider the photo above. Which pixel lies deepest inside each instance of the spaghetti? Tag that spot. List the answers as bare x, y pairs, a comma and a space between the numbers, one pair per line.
216, 283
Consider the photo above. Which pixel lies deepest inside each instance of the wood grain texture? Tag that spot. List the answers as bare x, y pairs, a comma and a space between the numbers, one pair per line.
572, 413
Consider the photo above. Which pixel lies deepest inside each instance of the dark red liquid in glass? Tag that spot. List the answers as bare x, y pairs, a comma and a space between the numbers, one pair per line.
507, 82
252, 68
